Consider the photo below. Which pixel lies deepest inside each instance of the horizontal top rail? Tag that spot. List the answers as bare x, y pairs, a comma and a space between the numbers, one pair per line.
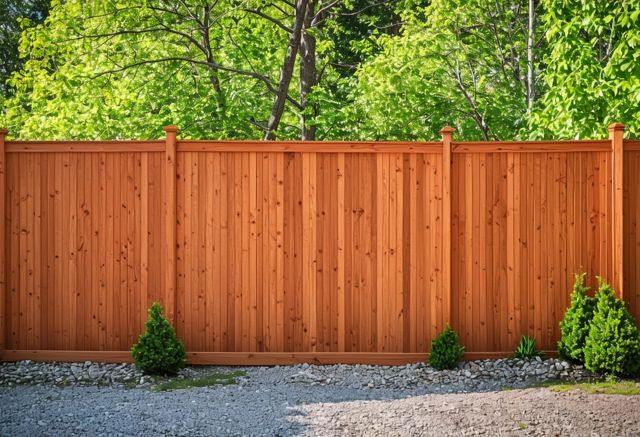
85, 146
310, 146
632, 145
531, 146
317, 146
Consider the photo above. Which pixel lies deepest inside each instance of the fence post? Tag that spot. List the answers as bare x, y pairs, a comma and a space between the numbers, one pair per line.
3, 283
170, 223
616, 132
447, 133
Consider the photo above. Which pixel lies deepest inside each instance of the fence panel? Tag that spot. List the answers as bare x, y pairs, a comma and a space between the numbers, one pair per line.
293, 252
524, 223
83, 248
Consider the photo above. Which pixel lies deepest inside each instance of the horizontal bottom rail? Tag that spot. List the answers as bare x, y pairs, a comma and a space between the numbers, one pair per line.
247, 358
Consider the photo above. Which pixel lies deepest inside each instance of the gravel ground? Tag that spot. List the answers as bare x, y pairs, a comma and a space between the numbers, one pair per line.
315, 400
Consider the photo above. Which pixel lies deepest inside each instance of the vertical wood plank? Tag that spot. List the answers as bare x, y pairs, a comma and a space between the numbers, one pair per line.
481, 309
280, 253
252, 251
411, 263
380, 259
341, 252
201, 190
43, 260
447, 133
210, 190
398, 249
170, 222
145, 230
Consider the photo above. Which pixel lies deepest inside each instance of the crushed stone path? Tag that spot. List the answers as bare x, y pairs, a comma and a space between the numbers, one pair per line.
285, 409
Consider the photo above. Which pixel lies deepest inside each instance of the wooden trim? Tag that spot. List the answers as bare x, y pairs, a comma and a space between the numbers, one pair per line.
170, 216
447, 164
616, 133
310, 146
631, 145
249, 358
84, 146
287, 358
3, 285
531, 146
315, 146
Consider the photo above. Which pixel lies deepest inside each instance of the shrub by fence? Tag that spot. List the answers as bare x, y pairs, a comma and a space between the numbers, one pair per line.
274, 252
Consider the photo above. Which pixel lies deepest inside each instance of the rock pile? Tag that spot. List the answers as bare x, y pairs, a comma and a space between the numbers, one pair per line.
63, 374
468, 376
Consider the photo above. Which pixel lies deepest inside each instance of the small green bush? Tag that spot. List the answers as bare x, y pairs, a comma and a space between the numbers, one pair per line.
446, 350
574, 327
158, 350
526, 349
613, 343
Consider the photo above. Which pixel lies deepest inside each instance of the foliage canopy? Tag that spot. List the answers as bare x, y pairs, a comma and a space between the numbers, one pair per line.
320, 69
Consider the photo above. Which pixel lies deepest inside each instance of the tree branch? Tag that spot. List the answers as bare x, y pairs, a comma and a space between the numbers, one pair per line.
289, 98
262, 78
322, 10
269, 18
287, 70
164, 28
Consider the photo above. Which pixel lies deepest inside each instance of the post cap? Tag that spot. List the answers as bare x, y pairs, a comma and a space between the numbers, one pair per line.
171, 128
447, 130
616, 126
3, 131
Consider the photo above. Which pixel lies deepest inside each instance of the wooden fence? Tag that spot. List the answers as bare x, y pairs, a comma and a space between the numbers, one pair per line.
278, 252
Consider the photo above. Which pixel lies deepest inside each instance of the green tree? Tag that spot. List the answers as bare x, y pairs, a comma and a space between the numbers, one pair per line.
574, 326
119, 69
14, 16
593, 69
326, 69
613, 343
446, 350
158, 350
470, 64
224, 69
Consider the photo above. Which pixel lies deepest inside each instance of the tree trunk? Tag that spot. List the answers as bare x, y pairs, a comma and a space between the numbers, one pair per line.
531, 56
287, 71
213, 72
308, 76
